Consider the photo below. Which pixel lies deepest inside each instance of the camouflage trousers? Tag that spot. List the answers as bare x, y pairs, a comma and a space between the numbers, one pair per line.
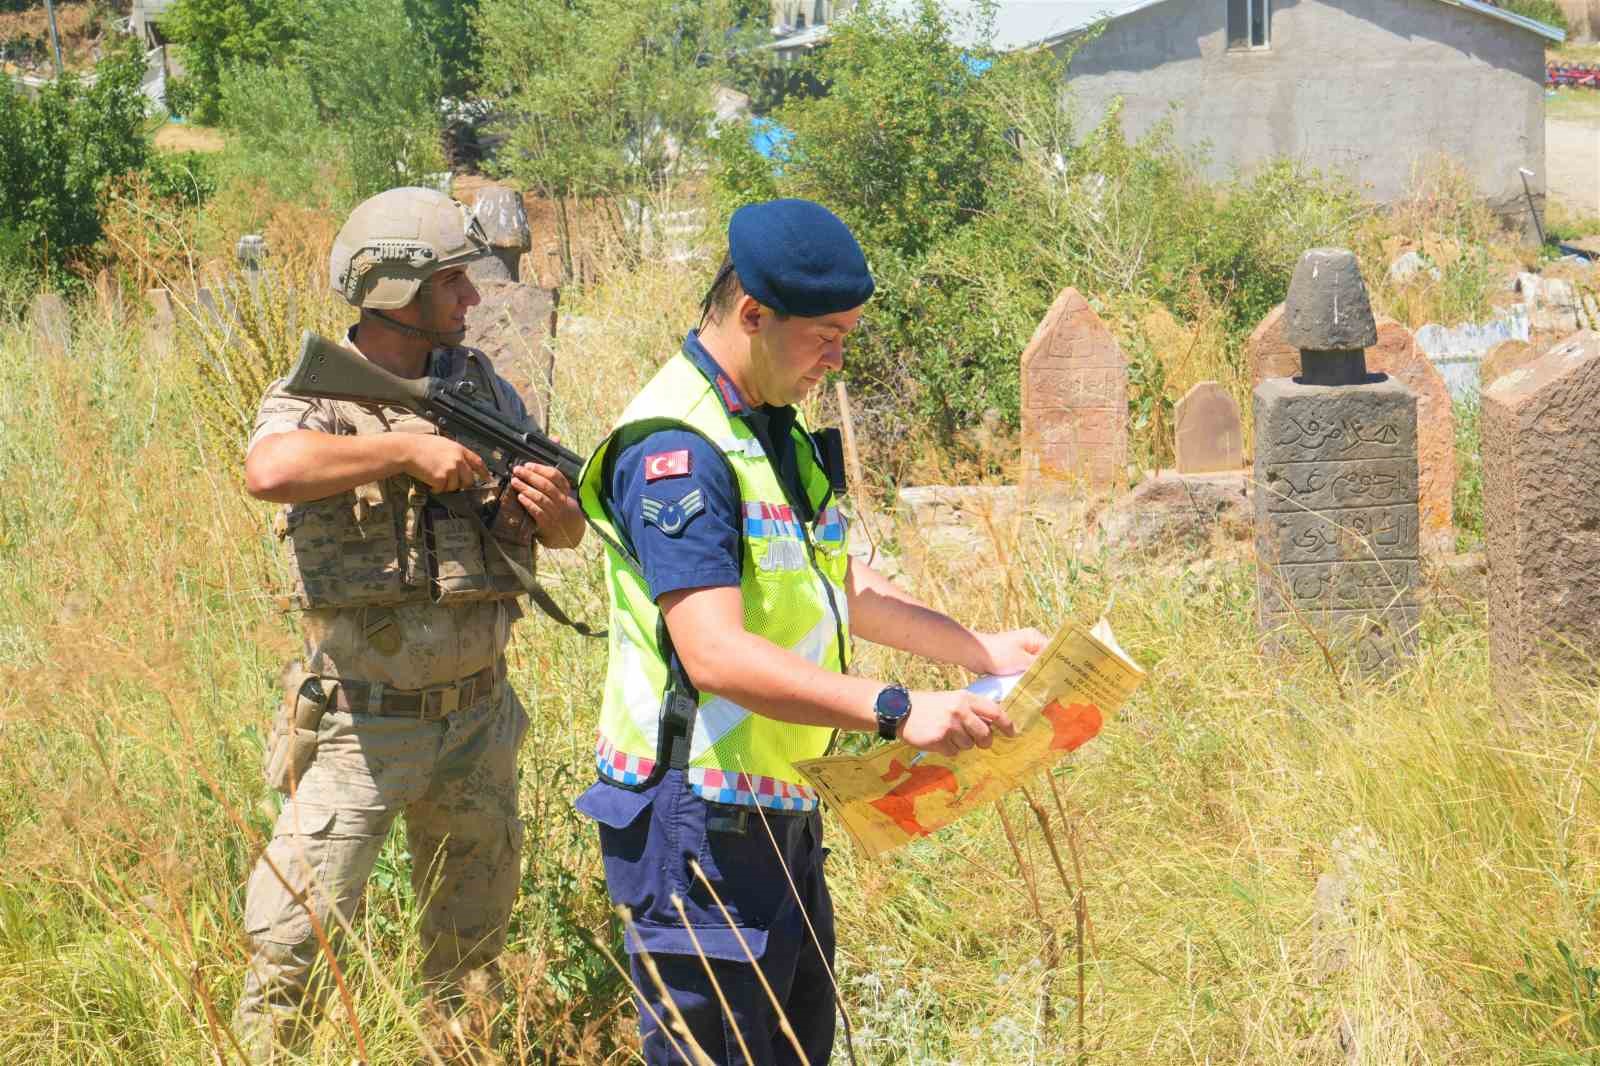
455, 779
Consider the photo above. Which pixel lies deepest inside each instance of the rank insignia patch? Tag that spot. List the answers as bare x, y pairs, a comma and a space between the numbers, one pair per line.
670, 516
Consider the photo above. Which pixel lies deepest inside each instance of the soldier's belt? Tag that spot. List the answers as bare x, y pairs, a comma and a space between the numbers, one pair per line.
365, 697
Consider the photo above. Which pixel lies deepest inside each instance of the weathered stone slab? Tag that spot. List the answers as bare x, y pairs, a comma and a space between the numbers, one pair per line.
509, 325
1179, 511
504, 218
1074, 400
1209, 438
1396, 354
1336, 513
1541, 448
1270, 355
50, 323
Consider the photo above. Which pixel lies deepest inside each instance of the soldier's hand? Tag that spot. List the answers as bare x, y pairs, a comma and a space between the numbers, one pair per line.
440, 463
545, 494
952, 722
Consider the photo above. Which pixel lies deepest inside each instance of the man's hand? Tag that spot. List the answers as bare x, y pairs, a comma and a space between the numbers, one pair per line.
1010, 652
439, 462
544, 493
952, 722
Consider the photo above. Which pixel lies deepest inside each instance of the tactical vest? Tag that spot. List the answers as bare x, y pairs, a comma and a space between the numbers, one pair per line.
392, 542
792, 578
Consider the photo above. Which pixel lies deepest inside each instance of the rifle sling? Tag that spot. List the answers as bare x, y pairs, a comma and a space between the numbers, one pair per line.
536, 593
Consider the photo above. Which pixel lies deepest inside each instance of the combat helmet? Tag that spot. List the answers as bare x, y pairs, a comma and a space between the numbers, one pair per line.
393, 242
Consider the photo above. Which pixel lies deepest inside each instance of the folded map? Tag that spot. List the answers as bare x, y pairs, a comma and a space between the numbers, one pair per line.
894, 794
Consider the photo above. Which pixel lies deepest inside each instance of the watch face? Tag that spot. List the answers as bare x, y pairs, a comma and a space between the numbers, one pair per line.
894, 703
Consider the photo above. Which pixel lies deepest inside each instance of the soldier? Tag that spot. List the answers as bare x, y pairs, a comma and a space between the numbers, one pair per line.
400, 702
732, 606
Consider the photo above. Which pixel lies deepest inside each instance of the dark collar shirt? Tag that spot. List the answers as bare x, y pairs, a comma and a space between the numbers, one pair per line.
700, 546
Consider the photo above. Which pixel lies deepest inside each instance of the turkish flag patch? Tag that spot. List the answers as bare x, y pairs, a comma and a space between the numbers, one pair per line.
666, 464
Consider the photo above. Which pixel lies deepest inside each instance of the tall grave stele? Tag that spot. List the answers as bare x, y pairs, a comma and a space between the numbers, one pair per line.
1074, 401
1336, 477
1541, 512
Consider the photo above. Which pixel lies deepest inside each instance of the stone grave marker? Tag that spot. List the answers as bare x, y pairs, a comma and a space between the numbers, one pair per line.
50, 324
1396, 354
504, 218
1270, 355
1210, 438
1541, 510
1074, 401
1336, 476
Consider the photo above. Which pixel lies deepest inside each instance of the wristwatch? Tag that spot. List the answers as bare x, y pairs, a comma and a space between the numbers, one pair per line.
892, 706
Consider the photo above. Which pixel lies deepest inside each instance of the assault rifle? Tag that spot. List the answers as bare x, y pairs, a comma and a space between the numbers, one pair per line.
333, 372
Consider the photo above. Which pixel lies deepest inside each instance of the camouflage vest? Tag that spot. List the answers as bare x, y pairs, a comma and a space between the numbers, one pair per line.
392, 542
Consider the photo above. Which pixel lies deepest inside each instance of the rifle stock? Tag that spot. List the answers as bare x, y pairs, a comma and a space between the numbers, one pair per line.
331, 371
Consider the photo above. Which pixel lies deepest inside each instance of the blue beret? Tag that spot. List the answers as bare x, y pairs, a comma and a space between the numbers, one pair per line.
797, 257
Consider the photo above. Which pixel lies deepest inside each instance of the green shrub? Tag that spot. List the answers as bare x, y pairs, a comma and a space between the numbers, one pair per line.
57, 155
186, 178
215, 35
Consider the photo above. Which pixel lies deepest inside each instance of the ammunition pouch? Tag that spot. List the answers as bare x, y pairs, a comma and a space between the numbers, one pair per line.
464, 562
293, 744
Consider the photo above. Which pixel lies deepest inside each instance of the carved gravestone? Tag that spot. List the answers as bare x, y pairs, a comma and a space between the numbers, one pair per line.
1396, 354
1336, 477
50, 324
1209, 437
1541, 512
1270, 355
1074, 401
504, 218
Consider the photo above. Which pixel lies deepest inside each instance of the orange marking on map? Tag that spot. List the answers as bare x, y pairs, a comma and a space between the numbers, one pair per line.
1073, 725
900, 802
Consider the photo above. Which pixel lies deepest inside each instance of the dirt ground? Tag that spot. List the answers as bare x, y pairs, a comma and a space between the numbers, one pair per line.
1572, 162
176, 137
80, 37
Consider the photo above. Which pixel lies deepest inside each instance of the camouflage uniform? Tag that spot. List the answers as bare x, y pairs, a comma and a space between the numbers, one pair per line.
453, 771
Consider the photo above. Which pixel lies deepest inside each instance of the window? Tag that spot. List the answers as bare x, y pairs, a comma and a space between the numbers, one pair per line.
1249, 24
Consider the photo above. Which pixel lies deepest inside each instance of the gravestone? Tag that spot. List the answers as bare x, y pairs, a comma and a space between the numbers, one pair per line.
1396, 354
504, 218
1209, 437
1074, 401
1270, 355
50, 324
1336, 477
1541, 512
163, 320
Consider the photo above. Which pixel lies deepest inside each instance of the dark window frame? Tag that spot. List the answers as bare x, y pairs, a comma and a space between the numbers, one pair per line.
1249, 25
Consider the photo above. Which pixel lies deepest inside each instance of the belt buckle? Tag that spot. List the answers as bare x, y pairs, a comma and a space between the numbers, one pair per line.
449, 701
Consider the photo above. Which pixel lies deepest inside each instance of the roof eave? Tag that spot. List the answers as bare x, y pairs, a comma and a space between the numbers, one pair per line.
1543, 29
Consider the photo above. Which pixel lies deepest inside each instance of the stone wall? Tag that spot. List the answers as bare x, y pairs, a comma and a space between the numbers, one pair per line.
1366, 87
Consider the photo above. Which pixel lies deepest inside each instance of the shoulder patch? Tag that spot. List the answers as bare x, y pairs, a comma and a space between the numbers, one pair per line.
671, 516
666, 464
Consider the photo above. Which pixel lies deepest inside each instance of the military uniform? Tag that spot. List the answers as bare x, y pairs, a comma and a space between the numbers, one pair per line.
406, 615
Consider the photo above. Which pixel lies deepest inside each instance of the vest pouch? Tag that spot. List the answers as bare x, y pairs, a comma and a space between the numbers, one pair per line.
293, 744
465, 564
346, 551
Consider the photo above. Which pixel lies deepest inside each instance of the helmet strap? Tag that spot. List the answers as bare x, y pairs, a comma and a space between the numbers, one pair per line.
432, 336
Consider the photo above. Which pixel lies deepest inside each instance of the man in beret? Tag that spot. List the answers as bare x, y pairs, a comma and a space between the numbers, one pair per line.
733, 602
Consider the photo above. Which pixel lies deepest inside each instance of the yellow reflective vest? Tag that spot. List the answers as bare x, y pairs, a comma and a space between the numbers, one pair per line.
792, 579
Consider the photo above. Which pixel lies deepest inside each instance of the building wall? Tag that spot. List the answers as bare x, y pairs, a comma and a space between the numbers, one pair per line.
1366, 87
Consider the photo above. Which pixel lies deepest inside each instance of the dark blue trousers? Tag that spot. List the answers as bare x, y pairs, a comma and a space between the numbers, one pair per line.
649, 840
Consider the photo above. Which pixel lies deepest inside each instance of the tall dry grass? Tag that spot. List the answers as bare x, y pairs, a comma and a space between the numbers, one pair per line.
138, 647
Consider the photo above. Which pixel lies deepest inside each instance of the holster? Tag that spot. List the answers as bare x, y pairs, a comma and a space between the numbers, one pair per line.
294, 729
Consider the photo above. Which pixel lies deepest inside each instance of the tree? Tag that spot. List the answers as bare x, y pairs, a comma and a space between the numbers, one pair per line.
608, 98
57, 155
215, 35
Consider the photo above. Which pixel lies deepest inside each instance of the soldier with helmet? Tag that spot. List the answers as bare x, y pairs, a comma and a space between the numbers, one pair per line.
400, 701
